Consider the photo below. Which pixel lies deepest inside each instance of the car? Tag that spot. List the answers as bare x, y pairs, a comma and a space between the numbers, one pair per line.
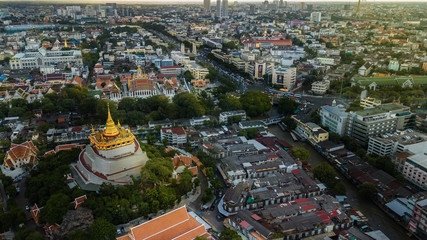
18, 189
27, 207
119, 232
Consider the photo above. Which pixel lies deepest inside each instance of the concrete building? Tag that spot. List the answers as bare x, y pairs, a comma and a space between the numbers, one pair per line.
223, 117
311, 132
335, 118
369, 102
218, 9
284, 77
196, 70
175, 136
316, 16
393, 65
415, 170
320, 87
383, 119
418, 223
401, 141
207, 5
224, 8
44, 58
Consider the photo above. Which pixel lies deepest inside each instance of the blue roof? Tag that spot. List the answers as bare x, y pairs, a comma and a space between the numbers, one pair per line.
399, 206
3, 77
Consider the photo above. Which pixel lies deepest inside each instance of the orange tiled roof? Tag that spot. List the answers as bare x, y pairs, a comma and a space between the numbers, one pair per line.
177, 224
35, 213
79, 201
25, 151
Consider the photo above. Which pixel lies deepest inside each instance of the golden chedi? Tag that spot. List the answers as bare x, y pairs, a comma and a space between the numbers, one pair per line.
113, 155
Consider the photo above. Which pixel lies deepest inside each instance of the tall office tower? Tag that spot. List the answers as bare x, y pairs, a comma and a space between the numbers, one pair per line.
252, 9
265, 5
207, 5
275, 3
224, 8
218, 8
309, 7
281, 4
347, 7
302, 6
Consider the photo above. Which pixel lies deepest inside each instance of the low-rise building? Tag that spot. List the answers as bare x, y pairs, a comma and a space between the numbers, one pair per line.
224, 116
401, 141
320, 87
369, 102
175, 136
176, 224
21, 154
44, 58
418, 223
196, 70
311, 131
251, 124
415, 170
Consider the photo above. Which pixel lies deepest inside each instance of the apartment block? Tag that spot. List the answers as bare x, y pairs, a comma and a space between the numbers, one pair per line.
383, 119
320, 87
284, 77
175, 136
335, 118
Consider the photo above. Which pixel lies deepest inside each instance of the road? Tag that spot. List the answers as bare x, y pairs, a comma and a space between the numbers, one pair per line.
378, 220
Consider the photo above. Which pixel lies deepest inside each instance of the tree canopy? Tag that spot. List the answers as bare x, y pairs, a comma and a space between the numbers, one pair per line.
255, 103
287, 106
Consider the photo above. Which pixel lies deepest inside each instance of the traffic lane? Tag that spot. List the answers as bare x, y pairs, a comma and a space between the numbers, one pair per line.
210, 217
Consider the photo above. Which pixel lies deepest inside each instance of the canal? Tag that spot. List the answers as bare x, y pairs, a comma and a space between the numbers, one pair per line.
378, 220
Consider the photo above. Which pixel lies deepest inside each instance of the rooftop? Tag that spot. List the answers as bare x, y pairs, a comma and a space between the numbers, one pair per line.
385, 108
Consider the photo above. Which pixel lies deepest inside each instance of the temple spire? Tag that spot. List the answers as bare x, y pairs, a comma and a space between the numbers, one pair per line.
110, 128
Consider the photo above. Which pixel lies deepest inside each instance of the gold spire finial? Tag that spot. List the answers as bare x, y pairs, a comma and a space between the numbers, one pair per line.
110, 128
93, 130
118, 124
65, 43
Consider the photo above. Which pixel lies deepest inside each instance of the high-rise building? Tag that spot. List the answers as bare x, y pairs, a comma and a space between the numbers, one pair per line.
316, 16
207, 5
251, 9
265, 5
218, 8
281, 4
302, 6
224, 8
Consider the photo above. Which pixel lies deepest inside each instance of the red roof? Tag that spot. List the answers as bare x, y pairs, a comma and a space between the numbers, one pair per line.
79, 201
296, 171
256, 217
324, 216
301, 200
308, 207
176, 130
244, 224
